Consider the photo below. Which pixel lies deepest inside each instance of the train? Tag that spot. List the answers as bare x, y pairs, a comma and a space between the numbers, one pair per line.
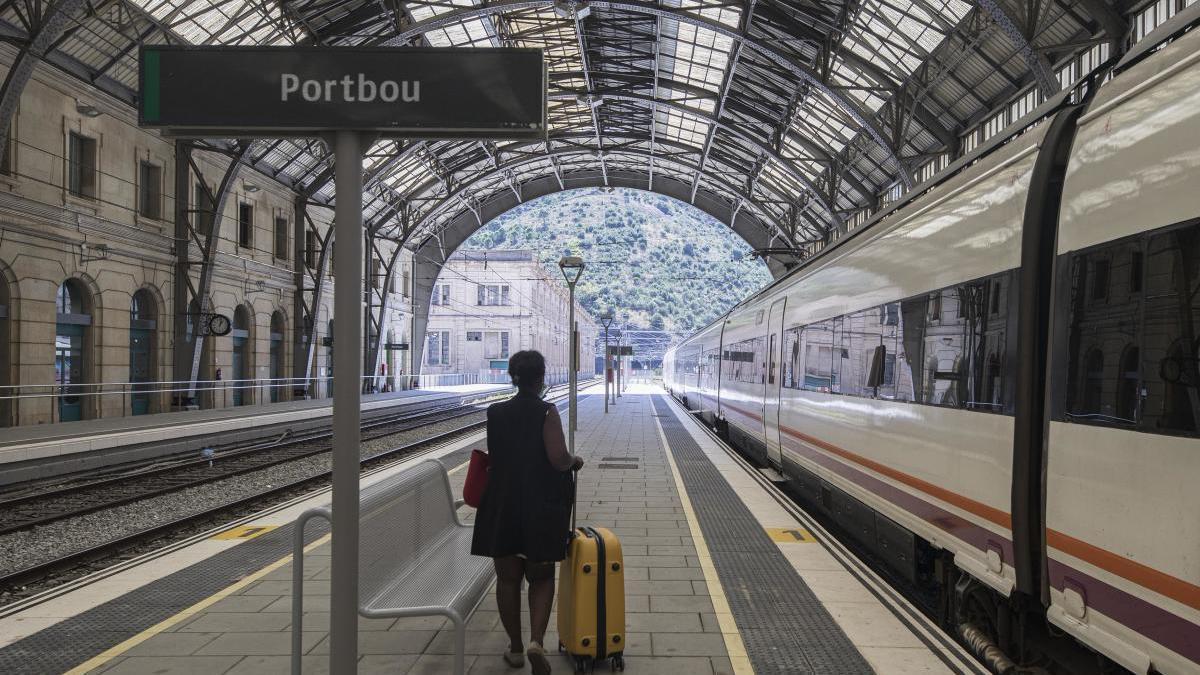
993, 388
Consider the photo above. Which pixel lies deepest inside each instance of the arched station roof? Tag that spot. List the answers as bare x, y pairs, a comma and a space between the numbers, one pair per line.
781, 117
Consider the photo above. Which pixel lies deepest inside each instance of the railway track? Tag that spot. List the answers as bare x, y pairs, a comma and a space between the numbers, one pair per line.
86, 496
20, 578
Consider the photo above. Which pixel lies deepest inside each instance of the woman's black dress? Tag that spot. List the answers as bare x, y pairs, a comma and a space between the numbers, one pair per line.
526, 509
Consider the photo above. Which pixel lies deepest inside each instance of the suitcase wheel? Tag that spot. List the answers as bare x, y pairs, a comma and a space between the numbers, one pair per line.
618, 663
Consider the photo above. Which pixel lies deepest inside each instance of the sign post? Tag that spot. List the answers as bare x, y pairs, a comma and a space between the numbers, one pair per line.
349, 96
348, 147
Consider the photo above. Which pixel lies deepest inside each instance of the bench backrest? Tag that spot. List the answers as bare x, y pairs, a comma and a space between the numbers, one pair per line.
401, 519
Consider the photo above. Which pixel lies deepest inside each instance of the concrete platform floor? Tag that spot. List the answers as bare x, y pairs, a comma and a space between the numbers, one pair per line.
679, 618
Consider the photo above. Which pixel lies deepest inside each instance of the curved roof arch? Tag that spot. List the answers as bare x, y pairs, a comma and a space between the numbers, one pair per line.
794, 115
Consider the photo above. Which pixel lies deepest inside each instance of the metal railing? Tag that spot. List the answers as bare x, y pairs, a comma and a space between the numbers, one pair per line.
101, 399
121, 399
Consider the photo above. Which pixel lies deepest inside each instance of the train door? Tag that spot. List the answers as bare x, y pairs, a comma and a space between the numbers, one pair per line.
276, 366
771, 393
139, 369
73, 320
143, 322
68, 370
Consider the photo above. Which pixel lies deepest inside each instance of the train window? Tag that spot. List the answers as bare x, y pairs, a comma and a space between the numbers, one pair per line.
935, 306
771, 357
791, 359
1128, 385
910, 347
1093, 382
840, 354
1100, 279
889, 314
817, 347
946, 348
860, 337
1133, 362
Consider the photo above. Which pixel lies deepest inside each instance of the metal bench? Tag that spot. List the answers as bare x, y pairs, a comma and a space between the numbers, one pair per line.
414, 555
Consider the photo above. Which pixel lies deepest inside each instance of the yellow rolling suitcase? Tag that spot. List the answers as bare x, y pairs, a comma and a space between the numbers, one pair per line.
591, 599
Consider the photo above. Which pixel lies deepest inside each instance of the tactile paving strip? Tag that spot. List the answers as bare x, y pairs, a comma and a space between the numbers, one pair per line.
783, 624
77, 639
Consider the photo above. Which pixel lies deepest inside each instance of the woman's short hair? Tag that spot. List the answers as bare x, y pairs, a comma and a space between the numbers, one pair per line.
527, 369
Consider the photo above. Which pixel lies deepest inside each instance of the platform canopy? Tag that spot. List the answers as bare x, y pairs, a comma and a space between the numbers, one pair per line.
785, 117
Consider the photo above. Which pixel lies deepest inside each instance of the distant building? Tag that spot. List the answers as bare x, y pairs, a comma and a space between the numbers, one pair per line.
488, 305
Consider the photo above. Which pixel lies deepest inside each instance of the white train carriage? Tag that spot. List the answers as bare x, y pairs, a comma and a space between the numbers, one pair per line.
1008, 372
693, 373
1123, 462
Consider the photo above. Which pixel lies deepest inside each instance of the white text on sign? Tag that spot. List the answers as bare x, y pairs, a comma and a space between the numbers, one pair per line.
349, 89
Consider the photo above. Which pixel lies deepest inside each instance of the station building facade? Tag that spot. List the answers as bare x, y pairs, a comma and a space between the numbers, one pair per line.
488, 305
88, 268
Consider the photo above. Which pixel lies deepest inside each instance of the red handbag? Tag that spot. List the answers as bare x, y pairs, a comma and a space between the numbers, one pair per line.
477, 479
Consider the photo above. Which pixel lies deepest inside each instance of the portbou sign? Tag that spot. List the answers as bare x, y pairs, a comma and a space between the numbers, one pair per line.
349, 89
299, 91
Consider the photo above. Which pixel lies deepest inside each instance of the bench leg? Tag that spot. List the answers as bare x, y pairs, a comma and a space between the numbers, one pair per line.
460, 646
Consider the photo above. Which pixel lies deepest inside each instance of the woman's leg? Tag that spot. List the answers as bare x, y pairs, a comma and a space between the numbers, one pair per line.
541, 597
508, 598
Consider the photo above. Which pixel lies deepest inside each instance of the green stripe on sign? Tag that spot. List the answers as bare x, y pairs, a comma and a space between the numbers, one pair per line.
150, 84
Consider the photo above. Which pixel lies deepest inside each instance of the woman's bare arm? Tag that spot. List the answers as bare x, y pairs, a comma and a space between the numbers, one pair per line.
556, 444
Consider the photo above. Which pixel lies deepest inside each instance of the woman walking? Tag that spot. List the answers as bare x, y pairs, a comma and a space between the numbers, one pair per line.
523, 521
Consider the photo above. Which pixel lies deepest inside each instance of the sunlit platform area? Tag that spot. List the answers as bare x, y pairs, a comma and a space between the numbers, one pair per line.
723, 575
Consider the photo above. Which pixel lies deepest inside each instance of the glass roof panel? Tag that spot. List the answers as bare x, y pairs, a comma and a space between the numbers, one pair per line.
469, 33
898, 35
675, 126
215, 22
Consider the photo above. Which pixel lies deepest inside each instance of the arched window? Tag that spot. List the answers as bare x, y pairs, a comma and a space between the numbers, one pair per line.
71, 359
143, 324
278, 331
142, 307
1093, 382
1128, 384
70, 298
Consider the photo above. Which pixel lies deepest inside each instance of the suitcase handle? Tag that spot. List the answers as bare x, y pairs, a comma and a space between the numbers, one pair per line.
574, 479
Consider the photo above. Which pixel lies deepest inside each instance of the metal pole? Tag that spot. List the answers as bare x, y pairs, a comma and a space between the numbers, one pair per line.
607, 370
571, 375
347, 370
575, 369
619, 341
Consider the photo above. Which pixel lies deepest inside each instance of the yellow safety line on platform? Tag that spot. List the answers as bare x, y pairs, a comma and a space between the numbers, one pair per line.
116, 650
738, 658
790, 535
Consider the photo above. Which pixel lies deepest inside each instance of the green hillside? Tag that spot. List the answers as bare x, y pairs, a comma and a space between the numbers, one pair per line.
667, 264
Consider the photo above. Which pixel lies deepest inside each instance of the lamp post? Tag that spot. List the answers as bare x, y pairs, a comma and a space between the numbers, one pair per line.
572, 269
606, 321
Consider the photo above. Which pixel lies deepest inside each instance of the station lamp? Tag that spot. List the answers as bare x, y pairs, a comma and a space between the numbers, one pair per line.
606, 320
572, 269
87, 109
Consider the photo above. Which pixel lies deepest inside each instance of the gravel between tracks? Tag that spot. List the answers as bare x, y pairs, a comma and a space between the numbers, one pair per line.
22, 549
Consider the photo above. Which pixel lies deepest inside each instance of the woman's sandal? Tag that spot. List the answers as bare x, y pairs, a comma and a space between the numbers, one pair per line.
537, 659
515, 659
